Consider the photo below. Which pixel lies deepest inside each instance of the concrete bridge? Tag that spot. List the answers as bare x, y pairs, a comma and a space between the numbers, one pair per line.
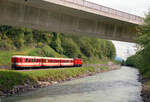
71, 17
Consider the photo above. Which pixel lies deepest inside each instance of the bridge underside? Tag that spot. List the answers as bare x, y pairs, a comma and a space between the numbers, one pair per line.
39, 14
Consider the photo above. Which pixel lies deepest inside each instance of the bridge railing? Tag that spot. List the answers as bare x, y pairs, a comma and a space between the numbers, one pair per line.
106, 10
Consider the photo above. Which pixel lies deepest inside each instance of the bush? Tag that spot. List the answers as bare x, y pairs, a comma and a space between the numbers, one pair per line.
56, 43
6, 45
47, 51
70, 48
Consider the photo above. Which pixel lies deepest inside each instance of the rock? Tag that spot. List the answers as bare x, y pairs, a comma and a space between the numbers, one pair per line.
110, 63
19, 86
54, 82
43, 84
2, 93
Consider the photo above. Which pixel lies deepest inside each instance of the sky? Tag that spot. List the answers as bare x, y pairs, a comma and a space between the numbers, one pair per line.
125, 49
136, 7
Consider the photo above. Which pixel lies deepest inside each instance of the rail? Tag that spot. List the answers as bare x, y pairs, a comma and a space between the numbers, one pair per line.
107, 10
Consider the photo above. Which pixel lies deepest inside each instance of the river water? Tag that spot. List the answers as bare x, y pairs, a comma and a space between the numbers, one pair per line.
114, 86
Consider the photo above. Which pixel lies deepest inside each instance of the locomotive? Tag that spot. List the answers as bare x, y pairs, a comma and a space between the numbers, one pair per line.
23, 62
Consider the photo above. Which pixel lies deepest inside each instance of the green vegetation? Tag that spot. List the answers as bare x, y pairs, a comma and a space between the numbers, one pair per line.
12, 78
142, 58
23, 41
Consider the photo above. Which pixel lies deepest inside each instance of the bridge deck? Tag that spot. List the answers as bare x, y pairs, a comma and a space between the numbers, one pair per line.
99, 9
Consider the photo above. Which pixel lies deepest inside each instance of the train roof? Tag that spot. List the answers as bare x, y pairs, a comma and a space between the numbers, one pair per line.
18, 56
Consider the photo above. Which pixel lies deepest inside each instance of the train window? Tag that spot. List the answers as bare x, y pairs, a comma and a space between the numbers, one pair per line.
20, 59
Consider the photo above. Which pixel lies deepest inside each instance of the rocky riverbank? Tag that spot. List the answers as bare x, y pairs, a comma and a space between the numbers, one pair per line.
29, 85
145, 93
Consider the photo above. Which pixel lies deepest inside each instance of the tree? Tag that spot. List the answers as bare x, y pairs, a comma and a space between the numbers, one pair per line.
56, 43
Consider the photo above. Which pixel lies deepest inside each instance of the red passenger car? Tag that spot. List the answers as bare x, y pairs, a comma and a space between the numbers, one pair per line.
19, 62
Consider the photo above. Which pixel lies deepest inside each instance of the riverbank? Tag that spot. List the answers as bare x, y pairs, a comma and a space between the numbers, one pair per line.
17, 82
145, 93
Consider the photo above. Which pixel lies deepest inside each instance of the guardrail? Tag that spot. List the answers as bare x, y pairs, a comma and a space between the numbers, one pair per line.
106, 10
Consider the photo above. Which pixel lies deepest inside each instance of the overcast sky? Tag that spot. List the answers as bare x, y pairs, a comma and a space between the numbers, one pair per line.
137, 7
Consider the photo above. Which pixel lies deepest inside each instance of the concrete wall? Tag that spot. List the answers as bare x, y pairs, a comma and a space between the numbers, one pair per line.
39, 14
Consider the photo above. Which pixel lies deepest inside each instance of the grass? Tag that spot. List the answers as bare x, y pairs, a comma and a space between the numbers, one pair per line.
5, 56
10, 78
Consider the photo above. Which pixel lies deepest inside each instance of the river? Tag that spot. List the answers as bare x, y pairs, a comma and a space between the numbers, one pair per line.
115, 86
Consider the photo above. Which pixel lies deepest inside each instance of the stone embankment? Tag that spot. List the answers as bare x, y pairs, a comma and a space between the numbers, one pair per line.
18, 89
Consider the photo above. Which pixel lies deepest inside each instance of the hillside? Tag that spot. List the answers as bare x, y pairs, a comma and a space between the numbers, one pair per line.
23, 41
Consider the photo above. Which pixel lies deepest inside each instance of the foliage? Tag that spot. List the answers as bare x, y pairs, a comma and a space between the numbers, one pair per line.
56, 43
142, 58
25, 41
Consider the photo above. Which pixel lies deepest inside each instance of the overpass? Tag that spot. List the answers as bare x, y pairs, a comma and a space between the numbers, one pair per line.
78, 17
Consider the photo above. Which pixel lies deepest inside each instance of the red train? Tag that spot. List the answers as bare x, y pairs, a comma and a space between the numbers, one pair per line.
22, 62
